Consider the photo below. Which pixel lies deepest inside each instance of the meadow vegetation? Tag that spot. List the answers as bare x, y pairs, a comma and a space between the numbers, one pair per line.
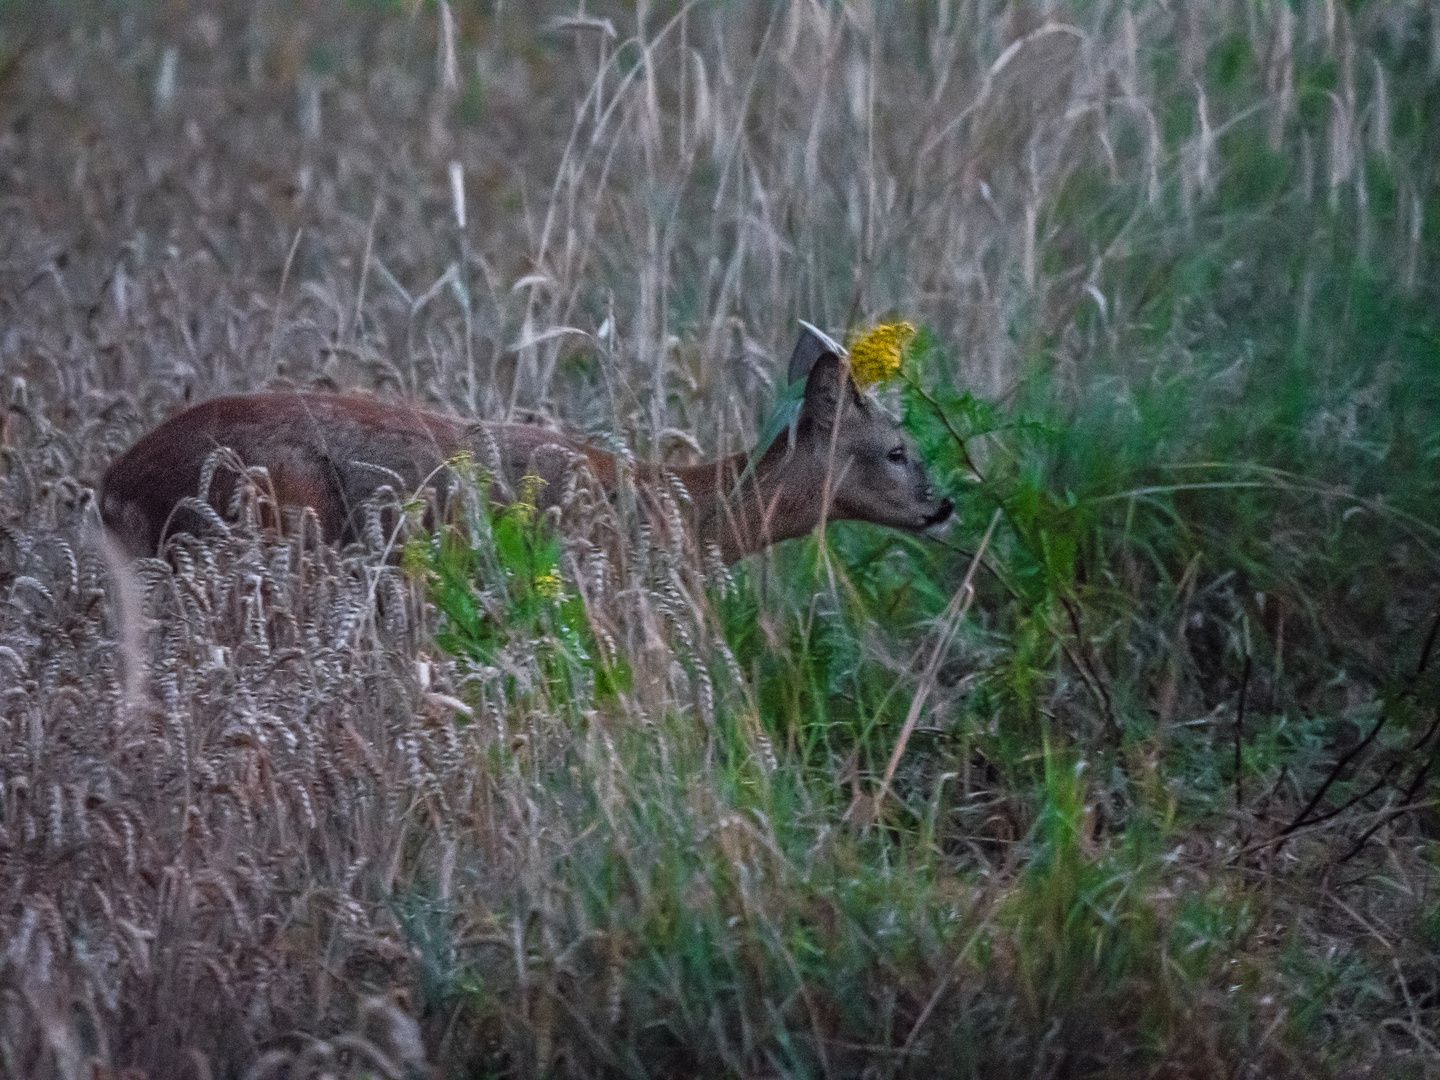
1129, 771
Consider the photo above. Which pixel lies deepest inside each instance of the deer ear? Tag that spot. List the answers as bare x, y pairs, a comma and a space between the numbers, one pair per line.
811, 346
822, 388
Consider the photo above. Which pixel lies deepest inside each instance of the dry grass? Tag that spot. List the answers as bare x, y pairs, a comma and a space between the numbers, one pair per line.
254, 821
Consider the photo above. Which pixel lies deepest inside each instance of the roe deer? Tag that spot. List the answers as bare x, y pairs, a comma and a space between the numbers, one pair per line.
845, 459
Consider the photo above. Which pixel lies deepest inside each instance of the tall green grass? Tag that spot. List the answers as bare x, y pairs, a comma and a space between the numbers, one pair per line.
1215, 479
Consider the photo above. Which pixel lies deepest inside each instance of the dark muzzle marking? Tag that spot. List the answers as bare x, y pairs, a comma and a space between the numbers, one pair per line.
941, 514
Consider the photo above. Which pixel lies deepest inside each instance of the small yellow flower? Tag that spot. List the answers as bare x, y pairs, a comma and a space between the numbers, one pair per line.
549, 585
525, 499
530, 486
875, 356
415, 560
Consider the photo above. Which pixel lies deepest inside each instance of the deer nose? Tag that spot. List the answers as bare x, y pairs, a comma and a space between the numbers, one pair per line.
942, 513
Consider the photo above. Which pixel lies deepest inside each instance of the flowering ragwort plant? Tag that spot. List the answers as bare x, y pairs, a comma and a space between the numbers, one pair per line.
875, 356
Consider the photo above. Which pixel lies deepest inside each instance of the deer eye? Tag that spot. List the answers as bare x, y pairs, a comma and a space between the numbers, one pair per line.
897, 455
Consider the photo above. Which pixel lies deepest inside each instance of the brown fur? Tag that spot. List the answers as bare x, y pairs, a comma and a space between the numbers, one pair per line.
331, 452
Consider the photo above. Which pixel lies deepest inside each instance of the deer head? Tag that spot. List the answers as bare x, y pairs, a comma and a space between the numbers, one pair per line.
845, 459
874, 473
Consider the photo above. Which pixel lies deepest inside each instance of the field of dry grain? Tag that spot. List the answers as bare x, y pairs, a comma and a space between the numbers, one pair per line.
1129, 771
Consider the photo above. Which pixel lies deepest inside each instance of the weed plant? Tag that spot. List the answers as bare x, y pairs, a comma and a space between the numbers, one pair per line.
1131, 771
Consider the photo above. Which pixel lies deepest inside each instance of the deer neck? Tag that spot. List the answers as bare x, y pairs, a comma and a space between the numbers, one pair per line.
742, 513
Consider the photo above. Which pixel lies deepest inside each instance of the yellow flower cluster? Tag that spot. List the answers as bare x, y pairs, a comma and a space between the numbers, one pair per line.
526, 497
550, 585
530, 486
875, 356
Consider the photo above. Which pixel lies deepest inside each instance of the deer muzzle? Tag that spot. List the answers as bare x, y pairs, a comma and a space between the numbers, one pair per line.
942, 513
